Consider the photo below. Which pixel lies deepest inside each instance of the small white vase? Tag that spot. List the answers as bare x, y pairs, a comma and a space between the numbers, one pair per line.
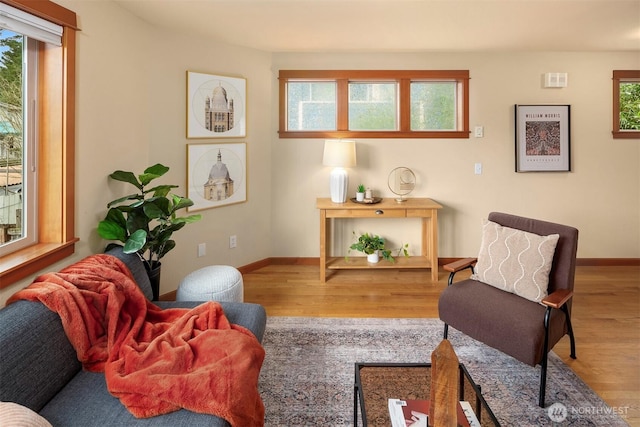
373, 258
360, 197
368, 194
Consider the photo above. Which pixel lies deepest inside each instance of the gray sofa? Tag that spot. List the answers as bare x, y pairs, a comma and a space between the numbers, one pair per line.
39, 368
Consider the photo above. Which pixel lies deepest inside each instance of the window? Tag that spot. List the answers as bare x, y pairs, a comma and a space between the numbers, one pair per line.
18, 64
51, 119
626, 104
374, 104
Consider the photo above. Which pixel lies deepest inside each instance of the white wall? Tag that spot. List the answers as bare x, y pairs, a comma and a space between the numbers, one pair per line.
601, 196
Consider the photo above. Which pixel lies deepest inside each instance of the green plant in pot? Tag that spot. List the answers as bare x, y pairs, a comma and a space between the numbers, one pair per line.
371, 244
360, 193
144, 221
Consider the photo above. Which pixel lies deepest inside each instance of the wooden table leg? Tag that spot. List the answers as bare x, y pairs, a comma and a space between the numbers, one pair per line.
323, 245
434, 245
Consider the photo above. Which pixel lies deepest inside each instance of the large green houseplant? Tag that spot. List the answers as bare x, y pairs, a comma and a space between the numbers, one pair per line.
144, 221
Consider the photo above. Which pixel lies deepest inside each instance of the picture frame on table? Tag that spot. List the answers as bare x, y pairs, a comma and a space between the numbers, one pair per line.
543, 138
216, 174
216, 106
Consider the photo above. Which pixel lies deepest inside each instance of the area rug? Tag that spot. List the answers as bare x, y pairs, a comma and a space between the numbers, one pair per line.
308, 375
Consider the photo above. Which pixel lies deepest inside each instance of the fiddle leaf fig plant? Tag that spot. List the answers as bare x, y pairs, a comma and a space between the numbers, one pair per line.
144, 221
370, 243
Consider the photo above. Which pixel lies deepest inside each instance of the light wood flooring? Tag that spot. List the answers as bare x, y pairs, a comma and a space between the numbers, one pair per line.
606, 314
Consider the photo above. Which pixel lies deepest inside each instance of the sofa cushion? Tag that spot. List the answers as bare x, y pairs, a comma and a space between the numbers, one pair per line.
86, 402
14, 415
37, 358
515, 261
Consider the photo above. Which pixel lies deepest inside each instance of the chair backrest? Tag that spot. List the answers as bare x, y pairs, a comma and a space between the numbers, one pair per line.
564, 260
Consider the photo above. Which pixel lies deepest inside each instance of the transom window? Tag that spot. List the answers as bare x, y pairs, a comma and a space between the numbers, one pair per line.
626, 104
374, 104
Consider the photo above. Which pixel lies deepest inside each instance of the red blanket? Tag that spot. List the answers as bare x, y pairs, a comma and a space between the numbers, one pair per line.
155, 361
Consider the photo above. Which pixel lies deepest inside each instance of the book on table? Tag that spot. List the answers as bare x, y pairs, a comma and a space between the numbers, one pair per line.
415, 413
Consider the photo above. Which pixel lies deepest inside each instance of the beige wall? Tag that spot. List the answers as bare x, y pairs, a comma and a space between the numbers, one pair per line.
131, 110
131, 113
601, 196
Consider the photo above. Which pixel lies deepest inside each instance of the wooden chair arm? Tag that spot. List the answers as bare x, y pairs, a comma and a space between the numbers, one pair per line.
461, 264
558, 298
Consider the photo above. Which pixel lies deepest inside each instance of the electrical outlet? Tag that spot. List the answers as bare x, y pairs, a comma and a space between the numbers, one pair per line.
202, 249
233, 241
479, 132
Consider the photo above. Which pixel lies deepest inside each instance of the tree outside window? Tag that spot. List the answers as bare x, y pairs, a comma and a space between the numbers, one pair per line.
626, 104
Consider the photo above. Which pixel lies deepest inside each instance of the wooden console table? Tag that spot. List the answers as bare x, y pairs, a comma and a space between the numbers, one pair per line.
423, 208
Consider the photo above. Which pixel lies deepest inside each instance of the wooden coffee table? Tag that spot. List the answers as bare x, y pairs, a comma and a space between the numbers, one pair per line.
376, 383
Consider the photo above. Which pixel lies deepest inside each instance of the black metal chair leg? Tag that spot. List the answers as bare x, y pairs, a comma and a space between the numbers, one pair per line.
446, 331
545, 350
572, 338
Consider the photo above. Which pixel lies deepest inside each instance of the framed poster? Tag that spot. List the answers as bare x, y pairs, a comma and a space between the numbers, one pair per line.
216, 175
543, 138
216, 106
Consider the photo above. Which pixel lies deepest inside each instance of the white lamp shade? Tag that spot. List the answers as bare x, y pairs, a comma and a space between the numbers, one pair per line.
339, 153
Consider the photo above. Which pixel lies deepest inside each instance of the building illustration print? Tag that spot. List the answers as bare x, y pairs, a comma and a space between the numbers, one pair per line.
219, 186
217, 174
218, 111
216, 106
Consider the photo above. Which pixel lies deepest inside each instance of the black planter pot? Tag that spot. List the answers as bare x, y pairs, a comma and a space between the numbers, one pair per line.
153, 272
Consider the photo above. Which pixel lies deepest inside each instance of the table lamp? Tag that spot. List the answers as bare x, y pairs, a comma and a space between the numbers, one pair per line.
341, 154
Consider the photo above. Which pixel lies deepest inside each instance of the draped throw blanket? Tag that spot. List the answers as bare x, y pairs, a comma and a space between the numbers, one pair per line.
155, 361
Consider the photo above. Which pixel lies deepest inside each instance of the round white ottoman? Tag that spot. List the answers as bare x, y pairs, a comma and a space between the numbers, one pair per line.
213, 283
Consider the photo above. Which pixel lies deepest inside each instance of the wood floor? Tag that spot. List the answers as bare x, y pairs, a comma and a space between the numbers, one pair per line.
606, 314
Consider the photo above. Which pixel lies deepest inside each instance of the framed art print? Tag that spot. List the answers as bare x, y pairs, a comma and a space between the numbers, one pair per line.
543, 138
216, 175
216, 106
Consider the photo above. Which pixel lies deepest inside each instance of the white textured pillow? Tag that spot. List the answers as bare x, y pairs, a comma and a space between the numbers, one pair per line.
14, 415
515, 261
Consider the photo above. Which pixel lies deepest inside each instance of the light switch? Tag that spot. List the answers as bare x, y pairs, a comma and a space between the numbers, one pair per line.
478, 168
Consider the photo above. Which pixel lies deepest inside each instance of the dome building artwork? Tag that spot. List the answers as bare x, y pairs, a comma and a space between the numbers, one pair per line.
219, 186
218, 111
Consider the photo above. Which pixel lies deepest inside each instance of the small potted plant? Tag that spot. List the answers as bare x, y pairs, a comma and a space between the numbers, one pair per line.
374, 246
360, 193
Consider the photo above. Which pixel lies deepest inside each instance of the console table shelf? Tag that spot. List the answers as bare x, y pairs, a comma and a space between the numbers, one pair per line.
339, 263
423, 208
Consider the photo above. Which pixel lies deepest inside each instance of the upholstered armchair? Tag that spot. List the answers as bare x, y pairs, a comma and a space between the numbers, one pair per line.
518, 313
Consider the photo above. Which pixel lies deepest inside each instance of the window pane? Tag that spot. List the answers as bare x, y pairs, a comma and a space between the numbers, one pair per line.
433, 106
630, 106
373, 106
11, 137
311, 106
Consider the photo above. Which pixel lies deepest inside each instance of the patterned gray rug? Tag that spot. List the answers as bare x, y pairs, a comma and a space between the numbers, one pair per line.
308, 375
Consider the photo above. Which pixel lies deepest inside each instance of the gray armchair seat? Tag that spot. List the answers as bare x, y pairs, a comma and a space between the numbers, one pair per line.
524, 329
